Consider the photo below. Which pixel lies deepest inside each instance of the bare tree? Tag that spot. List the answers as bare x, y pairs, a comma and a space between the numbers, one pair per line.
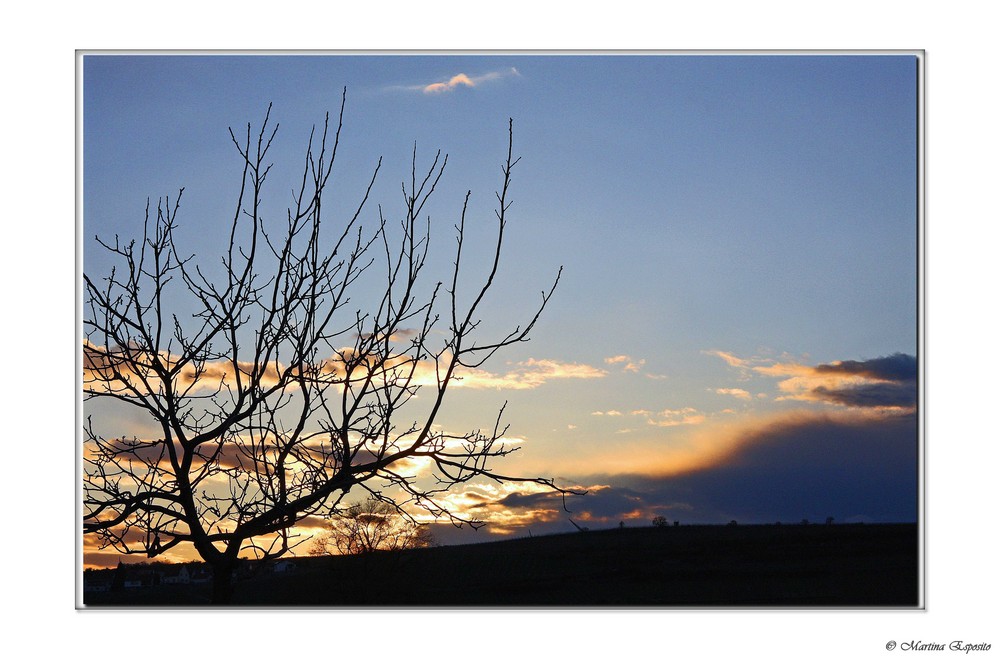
285, 388
370, 526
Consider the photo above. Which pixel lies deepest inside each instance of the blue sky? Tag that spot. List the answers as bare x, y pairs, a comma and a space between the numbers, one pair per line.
738, 236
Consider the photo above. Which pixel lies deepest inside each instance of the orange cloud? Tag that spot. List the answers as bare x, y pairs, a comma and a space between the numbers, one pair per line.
455, 81
629, 365
698, 442
116, 370
463, 80
504, 507
887, 385
728, 357
121, 368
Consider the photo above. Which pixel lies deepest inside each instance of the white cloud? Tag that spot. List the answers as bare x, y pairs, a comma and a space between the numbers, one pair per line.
528, 374
683, 417
460, 80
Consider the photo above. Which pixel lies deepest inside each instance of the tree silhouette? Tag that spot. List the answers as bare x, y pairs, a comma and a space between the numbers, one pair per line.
285, 388
370, 526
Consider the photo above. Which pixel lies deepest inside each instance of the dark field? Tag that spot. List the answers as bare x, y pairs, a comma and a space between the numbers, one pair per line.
689, 566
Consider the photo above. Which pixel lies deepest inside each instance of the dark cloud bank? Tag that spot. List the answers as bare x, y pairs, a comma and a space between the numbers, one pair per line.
894, 368
895, 382
807, 467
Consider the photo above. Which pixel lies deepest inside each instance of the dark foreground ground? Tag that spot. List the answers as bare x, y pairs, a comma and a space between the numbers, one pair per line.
687, 566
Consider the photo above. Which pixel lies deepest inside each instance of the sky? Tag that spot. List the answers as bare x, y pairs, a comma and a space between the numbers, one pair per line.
734, 334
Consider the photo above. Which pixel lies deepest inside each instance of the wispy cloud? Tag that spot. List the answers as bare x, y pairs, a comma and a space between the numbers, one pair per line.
729, 358
628, 364
459, 80
528, 375
738, 393
687, 416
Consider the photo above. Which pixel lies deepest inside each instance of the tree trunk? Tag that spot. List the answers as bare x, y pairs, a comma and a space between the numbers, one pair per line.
222, 582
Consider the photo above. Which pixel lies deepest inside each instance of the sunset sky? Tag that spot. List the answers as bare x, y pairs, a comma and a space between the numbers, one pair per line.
735, 334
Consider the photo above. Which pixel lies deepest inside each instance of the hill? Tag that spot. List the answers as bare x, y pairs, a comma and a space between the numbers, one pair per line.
689, 566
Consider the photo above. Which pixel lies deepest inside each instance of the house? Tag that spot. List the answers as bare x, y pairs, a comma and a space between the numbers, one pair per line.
284, 567
142, 577
98, 581
199, 574
175, 574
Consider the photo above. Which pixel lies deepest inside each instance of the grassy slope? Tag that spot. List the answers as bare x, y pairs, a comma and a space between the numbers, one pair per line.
839, 565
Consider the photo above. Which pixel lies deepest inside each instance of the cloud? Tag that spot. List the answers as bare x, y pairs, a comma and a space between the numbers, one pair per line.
668, 418
628, 364
455, 81
314, 522
460, 80
885, 384
602, 505
897, 368
504, 507
786, 467
528, 374
121, 369
729, 358
111, 370
886, 396
809, 466
888, 383
738, 393
682, 417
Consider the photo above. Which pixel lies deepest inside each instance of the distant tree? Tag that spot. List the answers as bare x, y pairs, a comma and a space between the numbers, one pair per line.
369, 526
278, 383
829, 521
660, 521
